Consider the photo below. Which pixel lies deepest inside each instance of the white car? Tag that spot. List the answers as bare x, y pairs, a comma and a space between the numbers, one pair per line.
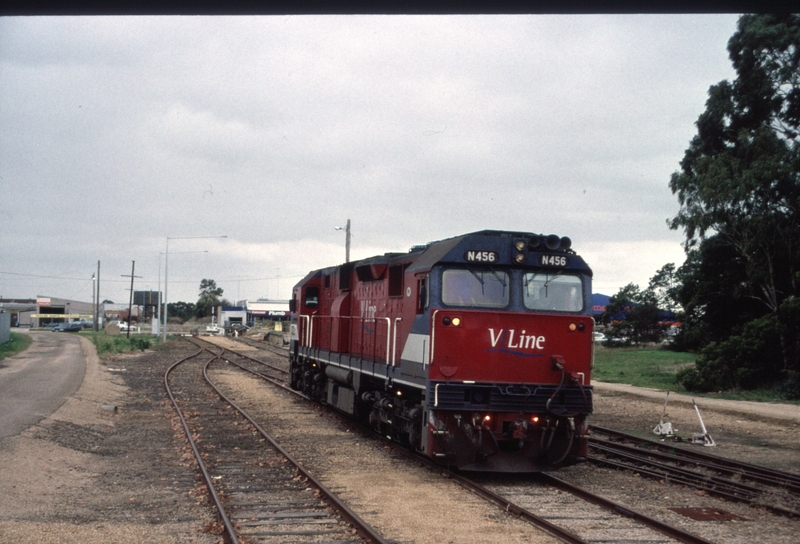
121, 325
598, 336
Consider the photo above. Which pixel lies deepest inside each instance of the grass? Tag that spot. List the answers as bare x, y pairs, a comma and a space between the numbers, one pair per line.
642, 367
120, 343
657, 369
103, 342
17, 343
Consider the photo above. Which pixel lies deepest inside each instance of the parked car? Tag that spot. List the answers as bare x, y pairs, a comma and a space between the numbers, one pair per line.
598, 336
236, 329
52, 324
67, 327
121, 325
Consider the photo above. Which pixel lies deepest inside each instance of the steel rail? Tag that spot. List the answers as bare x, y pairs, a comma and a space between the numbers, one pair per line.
221, 512
710, 464
746, 468
659, 461
363, 528
660, 526
510, 507
636, 459
672, 477
263, 345
716, 486
264, 363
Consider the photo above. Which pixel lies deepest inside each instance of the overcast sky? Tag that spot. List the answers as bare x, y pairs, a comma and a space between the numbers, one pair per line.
117, 133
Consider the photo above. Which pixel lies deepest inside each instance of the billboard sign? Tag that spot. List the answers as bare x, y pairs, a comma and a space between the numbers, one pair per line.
146, 298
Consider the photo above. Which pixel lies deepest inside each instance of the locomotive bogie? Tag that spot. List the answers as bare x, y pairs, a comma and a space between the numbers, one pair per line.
501, 442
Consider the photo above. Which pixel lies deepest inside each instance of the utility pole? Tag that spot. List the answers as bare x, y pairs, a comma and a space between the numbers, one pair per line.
346, 241
94, 304
347, 244
130, 302
97, 301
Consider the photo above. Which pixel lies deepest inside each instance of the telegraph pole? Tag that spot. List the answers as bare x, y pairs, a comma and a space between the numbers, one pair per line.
97, 301
94, 302
130, 302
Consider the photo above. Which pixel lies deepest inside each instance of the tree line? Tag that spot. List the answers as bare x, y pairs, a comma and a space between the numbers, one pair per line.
210, 296
737, 293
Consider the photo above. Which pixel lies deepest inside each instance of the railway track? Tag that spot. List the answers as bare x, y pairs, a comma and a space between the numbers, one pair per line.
732, 480
261, 493
619, 520
269, 345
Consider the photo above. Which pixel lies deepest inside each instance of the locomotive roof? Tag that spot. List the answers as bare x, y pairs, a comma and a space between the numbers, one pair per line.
452, 250
500, 242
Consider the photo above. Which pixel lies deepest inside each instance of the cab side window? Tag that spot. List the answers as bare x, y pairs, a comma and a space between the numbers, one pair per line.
311, 298
422, 294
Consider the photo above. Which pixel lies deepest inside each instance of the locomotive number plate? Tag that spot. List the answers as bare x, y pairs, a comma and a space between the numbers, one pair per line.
553, 260
481, 256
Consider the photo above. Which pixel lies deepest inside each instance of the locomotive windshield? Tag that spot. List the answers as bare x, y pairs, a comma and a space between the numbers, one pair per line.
552, 291
481, 288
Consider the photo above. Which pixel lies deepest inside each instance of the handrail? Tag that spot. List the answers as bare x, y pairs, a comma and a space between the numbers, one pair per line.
391, 332
311, 329
388, 337
394, 340
433, 336
304, 340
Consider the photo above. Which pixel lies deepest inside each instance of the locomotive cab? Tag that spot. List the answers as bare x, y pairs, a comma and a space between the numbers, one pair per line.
510, 366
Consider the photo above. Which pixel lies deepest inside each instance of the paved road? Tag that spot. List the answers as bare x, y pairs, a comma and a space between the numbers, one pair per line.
36, 382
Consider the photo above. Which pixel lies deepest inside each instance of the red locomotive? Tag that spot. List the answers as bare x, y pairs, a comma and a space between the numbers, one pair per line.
476, 350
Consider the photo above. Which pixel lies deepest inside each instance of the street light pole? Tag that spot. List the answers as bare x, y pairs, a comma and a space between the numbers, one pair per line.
94, 295
97, 301
166, 273
346, 241
162, 308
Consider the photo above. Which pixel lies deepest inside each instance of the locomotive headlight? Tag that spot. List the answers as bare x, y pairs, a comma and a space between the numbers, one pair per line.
456, 321
534, 419
573, 327
519, 258
520, 245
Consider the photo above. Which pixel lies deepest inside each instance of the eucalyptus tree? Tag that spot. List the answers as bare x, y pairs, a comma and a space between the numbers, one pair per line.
739, 181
